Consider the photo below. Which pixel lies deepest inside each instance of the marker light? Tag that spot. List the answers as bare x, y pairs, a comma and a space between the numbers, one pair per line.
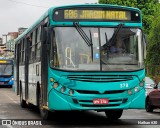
141, 84
55, 85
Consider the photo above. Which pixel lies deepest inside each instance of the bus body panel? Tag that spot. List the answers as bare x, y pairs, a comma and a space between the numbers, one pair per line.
59, 101
34, 79
86, 92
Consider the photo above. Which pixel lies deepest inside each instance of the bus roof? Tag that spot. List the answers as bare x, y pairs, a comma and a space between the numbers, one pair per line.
50, 11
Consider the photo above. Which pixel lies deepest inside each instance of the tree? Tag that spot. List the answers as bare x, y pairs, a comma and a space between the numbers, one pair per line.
119, 2
148, 8
153, 51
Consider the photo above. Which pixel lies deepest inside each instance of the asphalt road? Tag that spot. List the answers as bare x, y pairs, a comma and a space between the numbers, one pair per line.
10, 109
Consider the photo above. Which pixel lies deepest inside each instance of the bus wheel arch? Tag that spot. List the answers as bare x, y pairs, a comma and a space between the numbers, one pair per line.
43, 112
22, 101
37, 93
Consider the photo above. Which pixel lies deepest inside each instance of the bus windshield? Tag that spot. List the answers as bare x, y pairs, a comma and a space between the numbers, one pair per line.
122, 51
6, 69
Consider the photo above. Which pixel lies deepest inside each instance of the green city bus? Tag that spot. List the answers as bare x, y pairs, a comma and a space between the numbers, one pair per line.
66, 60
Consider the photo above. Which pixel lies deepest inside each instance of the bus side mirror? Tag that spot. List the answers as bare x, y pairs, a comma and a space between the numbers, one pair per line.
155, 87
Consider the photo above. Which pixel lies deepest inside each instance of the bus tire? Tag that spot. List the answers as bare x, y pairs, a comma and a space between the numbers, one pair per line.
22, 102
9, 86
43, 112
148, 106
114, 114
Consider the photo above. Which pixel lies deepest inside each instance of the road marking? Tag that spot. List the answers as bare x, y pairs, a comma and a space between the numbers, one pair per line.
11, 99
149, 114
8, 126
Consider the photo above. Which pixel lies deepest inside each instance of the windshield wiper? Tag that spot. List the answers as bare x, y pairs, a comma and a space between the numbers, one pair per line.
85, 37
116, 33
110, 42
83, 34
107, 44
91, 44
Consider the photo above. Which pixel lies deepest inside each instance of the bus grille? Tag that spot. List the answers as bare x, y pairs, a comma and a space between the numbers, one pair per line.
96, 92
100, 78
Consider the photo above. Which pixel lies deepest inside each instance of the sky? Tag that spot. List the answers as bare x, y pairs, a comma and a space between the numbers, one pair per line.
23, 13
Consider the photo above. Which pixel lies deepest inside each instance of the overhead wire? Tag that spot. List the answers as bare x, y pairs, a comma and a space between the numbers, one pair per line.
18, 2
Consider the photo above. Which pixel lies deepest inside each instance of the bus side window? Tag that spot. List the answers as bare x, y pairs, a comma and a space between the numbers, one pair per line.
38, 44
21, 52
30, 47
54, 56
33, 46
19, 43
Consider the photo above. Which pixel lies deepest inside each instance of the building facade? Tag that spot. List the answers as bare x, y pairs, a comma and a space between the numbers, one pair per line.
11, 41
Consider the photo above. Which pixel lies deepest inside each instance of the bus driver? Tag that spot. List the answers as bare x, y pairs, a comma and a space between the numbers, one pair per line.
118, 46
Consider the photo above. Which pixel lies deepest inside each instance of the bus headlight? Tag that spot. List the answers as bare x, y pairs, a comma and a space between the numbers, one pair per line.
129, 92
136, 89
12, 79
55, 85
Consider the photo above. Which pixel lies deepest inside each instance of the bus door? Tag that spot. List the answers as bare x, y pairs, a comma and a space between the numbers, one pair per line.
44, 67
27, 53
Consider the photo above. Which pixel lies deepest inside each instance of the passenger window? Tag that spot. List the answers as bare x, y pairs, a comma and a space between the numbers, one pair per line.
30, 48
38, 44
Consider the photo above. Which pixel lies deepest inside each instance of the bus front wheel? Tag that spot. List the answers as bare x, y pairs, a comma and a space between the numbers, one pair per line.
113, 114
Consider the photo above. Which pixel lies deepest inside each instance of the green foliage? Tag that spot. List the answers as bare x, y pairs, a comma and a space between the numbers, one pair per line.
119, 2
148, 8
153, 54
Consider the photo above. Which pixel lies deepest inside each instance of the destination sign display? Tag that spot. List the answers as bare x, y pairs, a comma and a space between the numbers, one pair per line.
5, 61
95, 14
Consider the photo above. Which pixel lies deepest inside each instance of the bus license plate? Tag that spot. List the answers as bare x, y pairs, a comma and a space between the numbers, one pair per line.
100, 101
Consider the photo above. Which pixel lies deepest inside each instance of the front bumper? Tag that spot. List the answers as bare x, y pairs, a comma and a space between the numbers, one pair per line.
60, 101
